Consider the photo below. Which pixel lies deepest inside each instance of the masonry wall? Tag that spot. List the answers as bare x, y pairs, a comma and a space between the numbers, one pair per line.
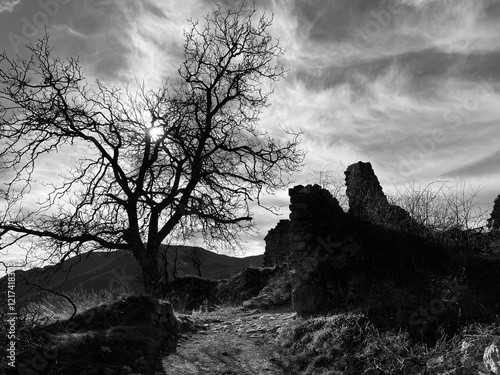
325, 262
278, 244
333, 255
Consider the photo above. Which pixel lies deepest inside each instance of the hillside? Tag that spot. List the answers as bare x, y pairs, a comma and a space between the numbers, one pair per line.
118, 269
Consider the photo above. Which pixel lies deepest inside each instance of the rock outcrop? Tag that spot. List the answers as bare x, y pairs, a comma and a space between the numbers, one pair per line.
277, 244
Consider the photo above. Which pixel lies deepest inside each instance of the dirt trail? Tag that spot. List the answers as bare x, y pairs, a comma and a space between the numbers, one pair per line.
229, 343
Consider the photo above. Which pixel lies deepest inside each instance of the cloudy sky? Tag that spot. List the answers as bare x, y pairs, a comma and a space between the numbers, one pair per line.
413, 86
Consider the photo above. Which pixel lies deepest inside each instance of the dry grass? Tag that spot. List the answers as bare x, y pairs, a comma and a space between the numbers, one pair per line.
351, 344
53, 308
112, 332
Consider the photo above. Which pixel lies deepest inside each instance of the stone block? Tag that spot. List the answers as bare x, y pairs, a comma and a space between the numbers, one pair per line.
308, 236
305, 190
300, 227
298, 278
298, 207
298, 215
300, 199
295, 190
307, 264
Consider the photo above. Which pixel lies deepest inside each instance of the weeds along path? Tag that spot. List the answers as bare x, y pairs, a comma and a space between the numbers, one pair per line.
230, 341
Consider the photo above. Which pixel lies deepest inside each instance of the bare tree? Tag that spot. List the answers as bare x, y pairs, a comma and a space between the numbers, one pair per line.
154, 164
196, 257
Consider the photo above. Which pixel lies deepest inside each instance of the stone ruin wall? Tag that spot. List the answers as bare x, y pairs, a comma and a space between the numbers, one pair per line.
277, 244
325, 262
322, 246
325, 256
368, 202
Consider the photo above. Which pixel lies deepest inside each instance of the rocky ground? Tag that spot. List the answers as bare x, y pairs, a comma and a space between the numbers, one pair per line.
230, 341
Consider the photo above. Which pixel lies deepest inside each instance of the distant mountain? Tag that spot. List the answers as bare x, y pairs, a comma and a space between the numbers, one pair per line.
111, 270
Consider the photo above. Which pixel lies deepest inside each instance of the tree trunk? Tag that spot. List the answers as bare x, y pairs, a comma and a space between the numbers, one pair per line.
151, 275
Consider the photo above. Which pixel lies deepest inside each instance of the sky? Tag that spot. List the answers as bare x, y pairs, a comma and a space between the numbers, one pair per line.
412, 86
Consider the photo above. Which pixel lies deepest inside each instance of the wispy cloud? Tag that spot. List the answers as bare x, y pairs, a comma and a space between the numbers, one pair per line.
373, 79
7, 6
125, 41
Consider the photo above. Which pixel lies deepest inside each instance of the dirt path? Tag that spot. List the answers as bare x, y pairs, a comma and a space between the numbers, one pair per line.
230, 342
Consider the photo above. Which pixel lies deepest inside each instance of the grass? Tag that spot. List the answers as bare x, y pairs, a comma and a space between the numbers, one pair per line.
350, 343
53, 308
436, 324
344, 343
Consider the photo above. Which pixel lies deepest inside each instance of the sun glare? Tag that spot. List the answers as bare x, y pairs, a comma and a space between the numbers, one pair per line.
155, 133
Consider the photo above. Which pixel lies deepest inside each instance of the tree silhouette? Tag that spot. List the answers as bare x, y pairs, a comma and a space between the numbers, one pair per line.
196, 257
150, 165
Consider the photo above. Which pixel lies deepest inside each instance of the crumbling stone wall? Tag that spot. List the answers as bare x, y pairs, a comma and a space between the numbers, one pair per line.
328, 253
368, 202
277, 244
366, 198
323, 256
334, 255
